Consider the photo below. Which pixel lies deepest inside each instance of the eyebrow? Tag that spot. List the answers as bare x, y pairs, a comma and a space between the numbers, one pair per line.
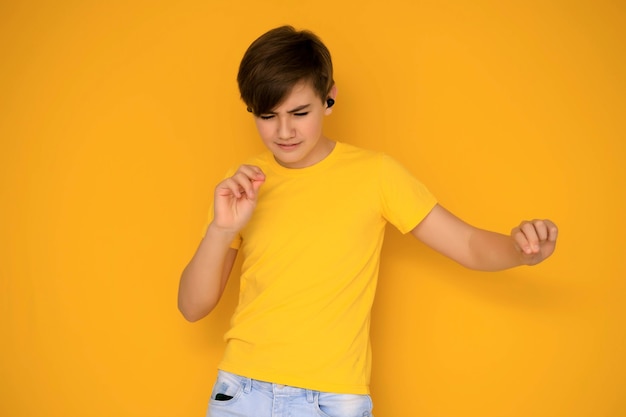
296, 110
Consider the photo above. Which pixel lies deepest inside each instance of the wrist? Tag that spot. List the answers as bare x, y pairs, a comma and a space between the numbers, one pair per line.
215, 231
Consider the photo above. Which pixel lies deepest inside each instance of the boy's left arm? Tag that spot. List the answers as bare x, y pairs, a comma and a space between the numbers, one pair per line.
529, 243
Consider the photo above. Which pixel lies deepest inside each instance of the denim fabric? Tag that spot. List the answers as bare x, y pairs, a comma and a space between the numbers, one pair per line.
252, 398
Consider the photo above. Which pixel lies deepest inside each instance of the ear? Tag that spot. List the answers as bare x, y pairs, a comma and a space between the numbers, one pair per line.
331, 94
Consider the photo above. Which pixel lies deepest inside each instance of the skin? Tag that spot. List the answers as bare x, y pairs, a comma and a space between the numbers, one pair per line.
293, 133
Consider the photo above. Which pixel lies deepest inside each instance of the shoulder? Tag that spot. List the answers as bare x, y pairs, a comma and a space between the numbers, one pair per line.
378, 162
347, 150
354, 156
261, 160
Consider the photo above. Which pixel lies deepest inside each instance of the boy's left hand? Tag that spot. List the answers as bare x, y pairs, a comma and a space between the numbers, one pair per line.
535, 240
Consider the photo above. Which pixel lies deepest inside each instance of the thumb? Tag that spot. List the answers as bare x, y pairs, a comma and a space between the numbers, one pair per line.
257, 183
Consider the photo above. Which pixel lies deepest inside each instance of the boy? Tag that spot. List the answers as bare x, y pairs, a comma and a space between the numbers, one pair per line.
309, 216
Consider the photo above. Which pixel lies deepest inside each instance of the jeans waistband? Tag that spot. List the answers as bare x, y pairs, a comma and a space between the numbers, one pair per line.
272, 388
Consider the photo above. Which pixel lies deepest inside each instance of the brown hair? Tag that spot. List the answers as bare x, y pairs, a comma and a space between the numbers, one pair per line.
277, 61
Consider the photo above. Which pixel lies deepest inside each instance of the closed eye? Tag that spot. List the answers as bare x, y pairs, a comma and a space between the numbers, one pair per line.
271, 116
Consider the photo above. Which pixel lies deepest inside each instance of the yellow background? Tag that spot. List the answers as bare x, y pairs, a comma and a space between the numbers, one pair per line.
117, 119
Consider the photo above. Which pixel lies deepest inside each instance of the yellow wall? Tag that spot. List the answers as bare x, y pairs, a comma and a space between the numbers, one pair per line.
117, 119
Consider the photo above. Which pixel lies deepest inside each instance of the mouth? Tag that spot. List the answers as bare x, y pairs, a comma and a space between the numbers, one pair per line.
288, 146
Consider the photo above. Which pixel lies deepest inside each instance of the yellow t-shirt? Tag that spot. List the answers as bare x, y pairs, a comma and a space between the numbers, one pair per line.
311, 259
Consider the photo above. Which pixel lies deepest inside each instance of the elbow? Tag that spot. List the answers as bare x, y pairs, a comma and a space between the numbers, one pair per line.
193, 313
191, 317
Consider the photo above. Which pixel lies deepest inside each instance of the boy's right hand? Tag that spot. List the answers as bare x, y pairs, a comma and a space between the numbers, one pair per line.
236, 197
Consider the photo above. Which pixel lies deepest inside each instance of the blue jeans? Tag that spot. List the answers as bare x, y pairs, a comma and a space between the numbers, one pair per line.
238, 396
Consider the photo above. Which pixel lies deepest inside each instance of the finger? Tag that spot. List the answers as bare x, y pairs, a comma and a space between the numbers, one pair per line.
541, 229
553, 231
230, 186
255, 174
526, 237
251, 178
257, 184
528, 228
244, 184
520, 240
252, 171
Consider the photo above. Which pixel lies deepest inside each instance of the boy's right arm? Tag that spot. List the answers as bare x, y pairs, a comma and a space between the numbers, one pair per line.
204, 279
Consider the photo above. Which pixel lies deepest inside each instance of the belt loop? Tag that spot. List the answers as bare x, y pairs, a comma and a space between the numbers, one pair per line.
247, 385
309, 396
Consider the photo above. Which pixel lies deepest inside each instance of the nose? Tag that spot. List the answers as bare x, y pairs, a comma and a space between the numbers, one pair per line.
285, 129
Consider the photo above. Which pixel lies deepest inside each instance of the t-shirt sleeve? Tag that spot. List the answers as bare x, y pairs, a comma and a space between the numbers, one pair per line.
405, 200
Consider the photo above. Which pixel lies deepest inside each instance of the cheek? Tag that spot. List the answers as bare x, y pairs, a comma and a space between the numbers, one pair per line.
265, 130
309, 125
314, 128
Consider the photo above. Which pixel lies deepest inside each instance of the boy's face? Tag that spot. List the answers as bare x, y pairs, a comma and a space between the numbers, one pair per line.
293, 130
